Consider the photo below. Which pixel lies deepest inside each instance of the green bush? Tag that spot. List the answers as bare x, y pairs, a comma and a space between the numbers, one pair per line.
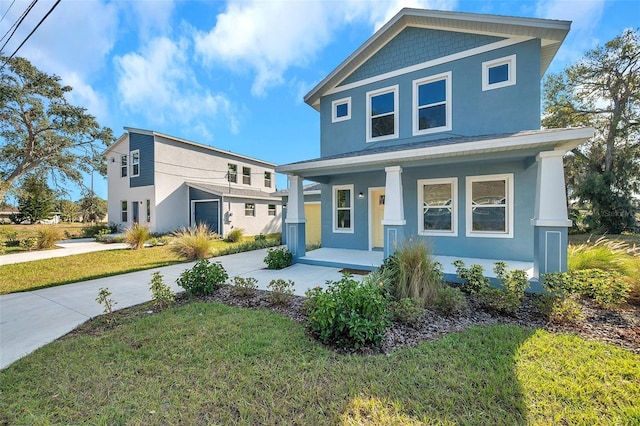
383, 277
560, 309
450, 301
498, 300
161, 294
260, 237
407, 310
281, 291
474, 279
92, 231
418, 275
194, 242
606, 288
203, 278
29, 243
136, 236
515, 281
278, 258
104, 298
235, 235
348, 313
244, 287
47, 237
12, 239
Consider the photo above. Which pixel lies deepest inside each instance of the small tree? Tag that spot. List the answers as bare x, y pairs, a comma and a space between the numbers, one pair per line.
35, 199
68, 210
92, 208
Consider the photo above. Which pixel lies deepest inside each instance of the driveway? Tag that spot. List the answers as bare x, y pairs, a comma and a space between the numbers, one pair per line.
32, 319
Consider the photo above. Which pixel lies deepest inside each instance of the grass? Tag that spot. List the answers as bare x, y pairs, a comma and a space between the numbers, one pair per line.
212, 364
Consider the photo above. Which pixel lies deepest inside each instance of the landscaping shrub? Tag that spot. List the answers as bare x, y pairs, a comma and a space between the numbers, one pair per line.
93, 230
244, 287
407, 310
418, 274
246, 246
47, 237
498, 300
12, 239
235, 235
29, 243
194, 242
104, 298
136, 236
161, 294
278, 258
450, 301
474, 279
281, 291
606, 288
348, 313
260, 237
560, 310
383, 277
203, 278
515, 281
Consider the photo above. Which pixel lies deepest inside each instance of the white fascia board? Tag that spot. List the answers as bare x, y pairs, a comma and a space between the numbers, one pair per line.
559, 140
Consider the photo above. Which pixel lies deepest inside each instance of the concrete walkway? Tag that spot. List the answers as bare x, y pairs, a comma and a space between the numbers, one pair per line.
66, 248
32, 319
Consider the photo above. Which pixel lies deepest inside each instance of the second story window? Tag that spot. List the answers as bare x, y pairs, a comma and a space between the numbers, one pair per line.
135, 163
432, 104
246, 175
267, 179
341, 110
382, 116
232, 173
499, 73
123, 166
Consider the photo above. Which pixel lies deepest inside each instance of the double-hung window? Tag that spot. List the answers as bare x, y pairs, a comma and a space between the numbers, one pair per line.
341, 110
271, 210
432, 104
267, 179
382, 114
499, 73
438, 207
123, 210
135, 163
246, 175
249, 209
489, 206
343, 208
232, 173
124, 165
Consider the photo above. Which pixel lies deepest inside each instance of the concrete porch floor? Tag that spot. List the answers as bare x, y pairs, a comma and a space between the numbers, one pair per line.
369, 260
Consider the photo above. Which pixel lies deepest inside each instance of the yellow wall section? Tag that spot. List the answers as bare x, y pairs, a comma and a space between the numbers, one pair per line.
312, 227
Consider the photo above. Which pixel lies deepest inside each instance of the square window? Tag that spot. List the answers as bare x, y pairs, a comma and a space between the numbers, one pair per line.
341, 110
437, 200
271, 210
123, 166
343, 208
432, 104
249, 209
267, 179
499, 73
135, 163
246, 175
232, 173
382, 120
490, 206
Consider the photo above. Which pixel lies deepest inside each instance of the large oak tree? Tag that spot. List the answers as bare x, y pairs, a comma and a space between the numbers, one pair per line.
40, 131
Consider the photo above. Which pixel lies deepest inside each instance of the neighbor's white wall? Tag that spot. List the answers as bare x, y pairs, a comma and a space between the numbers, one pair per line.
262, 223
117, 187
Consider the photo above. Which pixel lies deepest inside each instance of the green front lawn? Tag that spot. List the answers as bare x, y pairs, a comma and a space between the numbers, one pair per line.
211, 364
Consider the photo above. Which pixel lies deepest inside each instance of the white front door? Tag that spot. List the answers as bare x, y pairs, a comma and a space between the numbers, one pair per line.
376, 214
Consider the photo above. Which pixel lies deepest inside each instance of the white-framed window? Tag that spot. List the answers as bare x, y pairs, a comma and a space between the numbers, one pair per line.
432, 104
271, 210
232, 173
249, 209
341, 110
246, 175
438, 207
124, 217
499, 73
343, 208
382, 114
124, 161
148, 210
135, 163
267, 179
489, 206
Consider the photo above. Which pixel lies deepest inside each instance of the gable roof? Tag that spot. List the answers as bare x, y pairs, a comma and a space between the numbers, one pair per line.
550, 32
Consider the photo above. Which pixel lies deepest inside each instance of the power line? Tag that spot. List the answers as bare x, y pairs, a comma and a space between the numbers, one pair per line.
17, 24
5, 13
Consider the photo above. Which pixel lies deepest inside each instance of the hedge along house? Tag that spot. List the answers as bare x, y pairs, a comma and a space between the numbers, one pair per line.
166, 183
431, 130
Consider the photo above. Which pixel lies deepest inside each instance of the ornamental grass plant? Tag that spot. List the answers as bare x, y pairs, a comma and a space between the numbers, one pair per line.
195, 242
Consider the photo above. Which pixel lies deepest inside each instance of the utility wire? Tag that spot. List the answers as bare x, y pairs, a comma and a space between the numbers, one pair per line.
7, 11
31, 33
16, 24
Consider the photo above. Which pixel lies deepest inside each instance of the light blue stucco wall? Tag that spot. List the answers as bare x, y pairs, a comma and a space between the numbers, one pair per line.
474, 112
145, 144
520, 247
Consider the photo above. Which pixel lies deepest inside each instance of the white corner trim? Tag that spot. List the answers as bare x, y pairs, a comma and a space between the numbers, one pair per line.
510, 81
334, 105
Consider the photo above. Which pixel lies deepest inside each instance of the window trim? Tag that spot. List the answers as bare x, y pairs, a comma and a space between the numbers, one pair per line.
448, 102
250, 207
124, 211
267, 182
229, 173
511, 81
247, 176
334, 113
396, 112
453, 181
134, 154
509, 206
124, 165
272, 210
334, 208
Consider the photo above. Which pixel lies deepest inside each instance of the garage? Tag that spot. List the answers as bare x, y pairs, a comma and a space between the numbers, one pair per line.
206, 211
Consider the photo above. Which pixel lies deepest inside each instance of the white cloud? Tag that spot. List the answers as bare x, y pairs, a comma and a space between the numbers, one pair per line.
84, 95
149, 17
270, 37
158, 83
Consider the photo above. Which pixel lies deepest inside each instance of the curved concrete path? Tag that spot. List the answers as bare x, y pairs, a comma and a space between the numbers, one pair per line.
66, 248
32, 319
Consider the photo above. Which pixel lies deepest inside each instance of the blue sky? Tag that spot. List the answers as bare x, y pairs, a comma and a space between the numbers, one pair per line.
233, 74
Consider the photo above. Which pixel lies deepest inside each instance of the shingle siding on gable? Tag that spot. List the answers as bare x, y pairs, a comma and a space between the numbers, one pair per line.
416, 45
145, 144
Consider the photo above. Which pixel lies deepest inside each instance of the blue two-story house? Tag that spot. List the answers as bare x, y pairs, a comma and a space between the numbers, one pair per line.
431, 129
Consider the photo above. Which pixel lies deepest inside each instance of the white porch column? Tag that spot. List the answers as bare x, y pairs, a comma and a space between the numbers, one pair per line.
393, 203
551, 198
295, 221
